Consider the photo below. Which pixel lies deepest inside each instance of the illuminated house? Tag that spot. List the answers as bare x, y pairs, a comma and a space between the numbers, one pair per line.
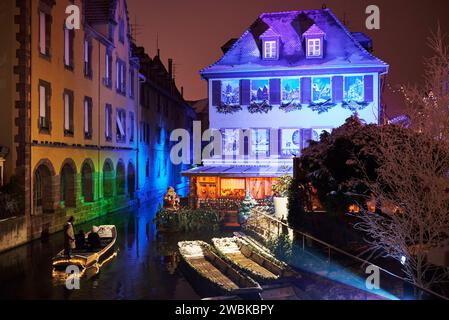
290, 76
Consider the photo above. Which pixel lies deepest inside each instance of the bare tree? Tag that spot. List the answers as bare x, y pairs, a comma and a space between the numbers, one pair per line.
413, 177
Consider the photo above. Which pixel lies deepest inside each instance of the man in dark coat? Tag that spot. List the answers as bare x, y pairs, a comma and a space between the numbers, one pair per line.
69, 237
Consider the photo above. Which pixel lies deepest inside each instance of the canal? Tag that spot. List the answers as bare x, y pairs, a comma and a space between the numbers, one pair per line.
146, 265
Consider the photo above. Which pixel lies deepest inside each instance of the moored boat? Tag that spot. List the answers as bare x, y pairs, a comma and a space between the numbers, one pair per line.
85, 257
254, 260
211, 269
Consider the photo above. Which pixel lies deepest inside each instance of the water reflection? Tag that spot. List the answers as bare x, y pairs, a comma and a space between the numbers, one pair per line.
145, 267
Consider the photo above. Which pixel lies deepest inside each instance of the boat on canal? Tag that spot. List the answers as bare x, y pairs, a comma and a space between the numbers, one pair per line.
253, 260
85, 258
211, 274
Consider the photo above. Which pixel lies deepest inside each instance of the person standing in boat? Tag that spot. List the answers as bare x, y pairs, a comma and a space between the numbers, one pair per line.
69, 237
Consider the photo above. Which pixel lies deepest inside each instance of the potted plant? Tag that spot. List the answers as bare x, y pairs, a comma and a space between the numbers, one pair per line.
280, 198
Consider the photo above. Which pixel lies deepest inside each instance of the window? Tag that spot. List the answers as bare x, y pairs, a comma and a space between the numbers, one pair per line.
44, 122
260, 142
231, 142
290, 142
159, 135
108, 70
354, 89
44, 33
121, 30
314, 47
69, 36
290, 91
121, 125
68, 112
88, 130
121, 77
88, 58
270, 49
230, 92
131, 127
260, 91
131, 83
321, 90
147, 168
108, 122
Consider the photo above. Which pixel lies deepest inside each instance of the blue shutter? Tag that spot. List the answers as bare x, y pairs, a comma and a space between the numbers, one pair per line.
216, 93
245, 92
275, 91
337, 89
306, 90
369, 88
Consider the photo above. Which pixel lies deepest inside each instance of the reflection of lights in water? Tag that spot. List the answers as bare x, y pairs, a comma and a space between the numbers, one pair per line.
61, 276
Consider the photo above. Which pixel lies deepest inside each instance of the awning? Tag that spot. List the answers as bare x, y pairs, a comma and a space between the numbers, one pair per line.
239, 171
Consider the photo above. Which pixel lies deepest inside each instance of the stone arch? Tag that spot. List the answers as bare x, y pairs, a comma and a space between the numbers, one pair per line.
131, 179
87, 180
108, 178
120, 177
67, 178
45, 187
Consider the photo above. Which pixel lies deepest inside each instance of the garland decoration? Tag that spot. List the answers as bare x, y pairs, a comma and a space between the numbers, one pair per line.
290, 106
354, 105
228, 109
322, 106
263, 107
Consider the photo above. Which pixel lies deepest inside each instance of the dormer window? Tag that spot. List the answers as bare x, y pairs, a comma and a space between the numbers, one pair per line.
270, 45
314, 42
270, 50
314, 47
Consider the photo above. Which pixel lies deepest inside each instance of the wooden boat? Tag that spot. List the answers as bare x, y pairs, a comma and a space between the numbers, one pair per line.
251, 259
283, 292
210, 269
86, 258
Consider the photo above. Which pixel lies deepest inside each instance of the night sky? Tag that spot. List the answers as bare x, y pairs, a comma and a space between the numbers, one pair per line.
193, 31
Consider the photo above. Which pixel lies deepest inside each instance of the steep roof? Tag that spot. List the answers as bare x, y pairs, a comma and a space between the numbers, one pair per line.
342, 49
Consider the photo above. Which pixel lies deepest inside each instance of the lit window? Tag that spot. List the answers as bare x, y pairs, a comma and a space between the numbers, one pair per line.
260, 142
314, 47
108, 122
290, 142
270, 49
231, 142
88, 130
121, 125
68, 47
68, 113
44, 33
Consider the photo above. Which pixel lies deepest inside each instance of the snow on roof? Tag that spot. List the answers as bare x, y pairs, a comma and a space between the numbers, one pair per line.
342, 49
314, 31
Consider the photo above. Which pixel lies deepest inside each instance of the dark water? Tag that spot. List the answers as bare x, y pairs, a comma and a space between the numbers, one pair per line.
146, 266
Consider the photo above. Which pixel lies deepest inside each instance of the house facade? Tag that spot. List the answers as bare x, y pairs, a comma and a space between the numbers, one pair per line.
288, 78
71, 139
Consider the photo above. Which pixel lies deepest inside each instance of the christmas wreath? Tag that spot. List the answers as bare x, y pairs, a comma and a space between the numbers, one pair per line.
228, 109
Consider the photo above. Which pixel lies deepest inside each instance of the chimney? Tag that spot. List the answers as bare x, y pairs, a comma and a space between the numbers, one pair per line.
170, 68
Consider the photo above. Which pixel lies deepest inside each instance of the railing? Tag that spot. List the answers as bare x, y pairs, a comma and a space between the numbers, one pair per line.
343, 267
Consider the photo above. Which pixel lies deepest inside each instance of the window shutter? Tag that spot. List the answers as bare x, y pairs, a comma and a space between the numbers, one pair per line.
275, 91
369, 88
337, 89
306, 90
245, 92
66, 47
306, 137
216, 93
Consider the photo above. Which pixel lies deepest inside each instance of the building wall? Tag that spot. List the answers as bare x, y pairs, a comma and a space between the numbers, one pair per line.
71, 169
8, 47
305, 118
